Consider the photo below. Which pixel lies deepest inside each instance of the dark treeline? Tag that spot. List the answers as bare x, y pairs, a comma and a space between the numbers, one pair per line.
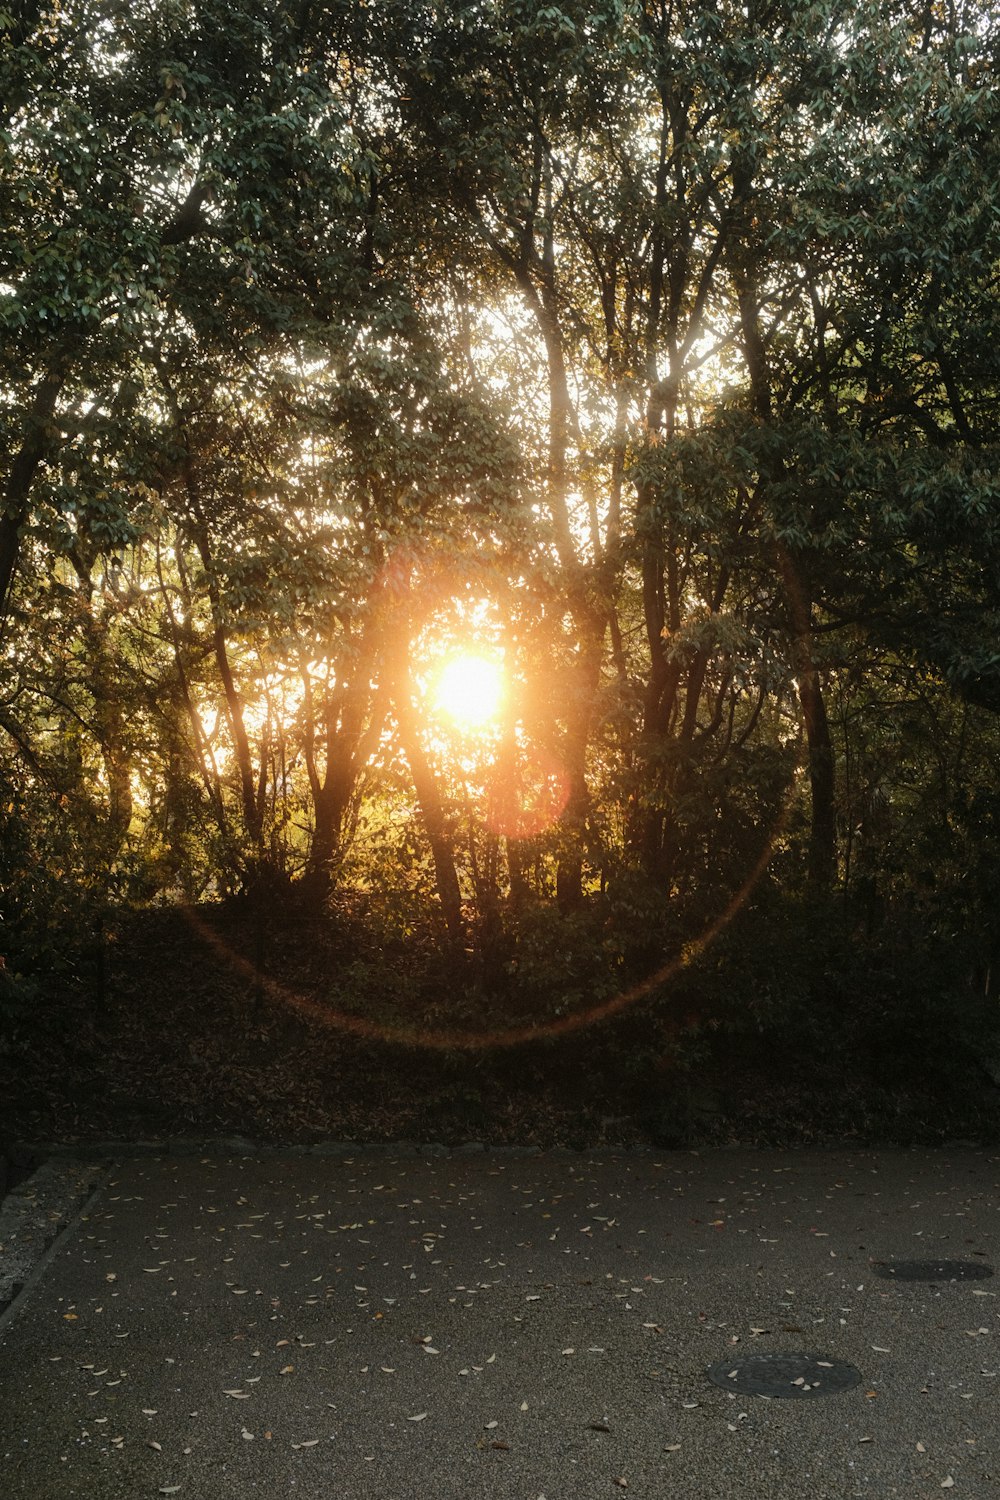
649, 349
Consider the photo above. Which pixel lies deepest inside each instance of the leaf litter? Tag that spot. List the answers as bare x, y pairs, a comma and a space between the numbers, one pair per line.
348, 1243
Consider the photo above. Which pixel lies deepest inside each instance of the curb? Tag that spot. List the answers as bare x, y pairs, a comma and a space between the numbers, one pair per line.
34, 1154
34, 1214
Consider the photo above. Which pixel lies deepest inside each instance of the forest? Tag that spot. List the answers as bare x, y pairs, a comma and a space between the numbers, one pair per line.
500, 567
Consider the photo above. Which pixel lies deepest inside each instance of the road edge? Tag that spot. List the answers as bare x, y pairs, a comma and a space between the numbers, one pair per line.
37, 1215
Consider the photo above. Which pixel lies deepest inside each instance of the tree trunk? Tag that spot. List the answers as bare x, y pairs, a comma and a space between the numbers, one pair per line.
822, 853
25, 464
661, 615
352, 722
253, 812
434, 820
573, 822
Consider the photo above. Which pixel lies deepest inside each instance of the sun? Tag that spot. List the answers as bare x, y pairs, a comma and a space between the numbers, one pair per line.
469, 689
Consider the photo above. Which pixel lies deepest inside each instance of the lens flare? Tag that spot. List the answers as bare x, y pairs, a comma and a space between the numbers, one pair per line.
469, 689
528, 796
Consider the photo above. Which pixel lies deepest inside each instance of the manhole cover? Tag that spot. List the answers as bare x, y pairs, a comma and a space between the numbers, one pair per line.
933, 1270
795, 1377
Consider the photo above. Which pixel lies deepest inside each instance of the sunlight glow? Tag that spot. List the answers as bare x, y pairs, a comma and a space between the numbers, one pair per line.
469, 690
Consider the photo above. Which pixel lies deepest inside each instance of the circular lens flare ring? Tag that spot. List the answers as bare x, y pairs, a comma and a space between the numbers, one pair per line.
459, 1038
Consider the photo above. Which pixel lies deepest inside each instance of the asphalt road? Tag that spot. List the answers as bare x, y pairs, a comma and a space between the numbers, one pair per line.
493, 1326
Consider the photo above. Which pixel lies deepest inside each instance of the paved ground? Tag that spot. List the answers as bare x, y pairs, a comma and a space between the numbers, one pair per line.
390, 1325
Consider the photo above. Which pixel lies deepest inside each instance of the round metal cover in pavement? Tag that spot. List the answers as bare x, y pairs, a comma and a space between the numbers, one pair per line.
932, 1270
792, 1377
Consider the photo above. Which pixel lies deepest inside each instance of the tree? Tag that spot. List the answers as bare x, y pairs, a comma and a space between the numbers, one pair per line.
650, 331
